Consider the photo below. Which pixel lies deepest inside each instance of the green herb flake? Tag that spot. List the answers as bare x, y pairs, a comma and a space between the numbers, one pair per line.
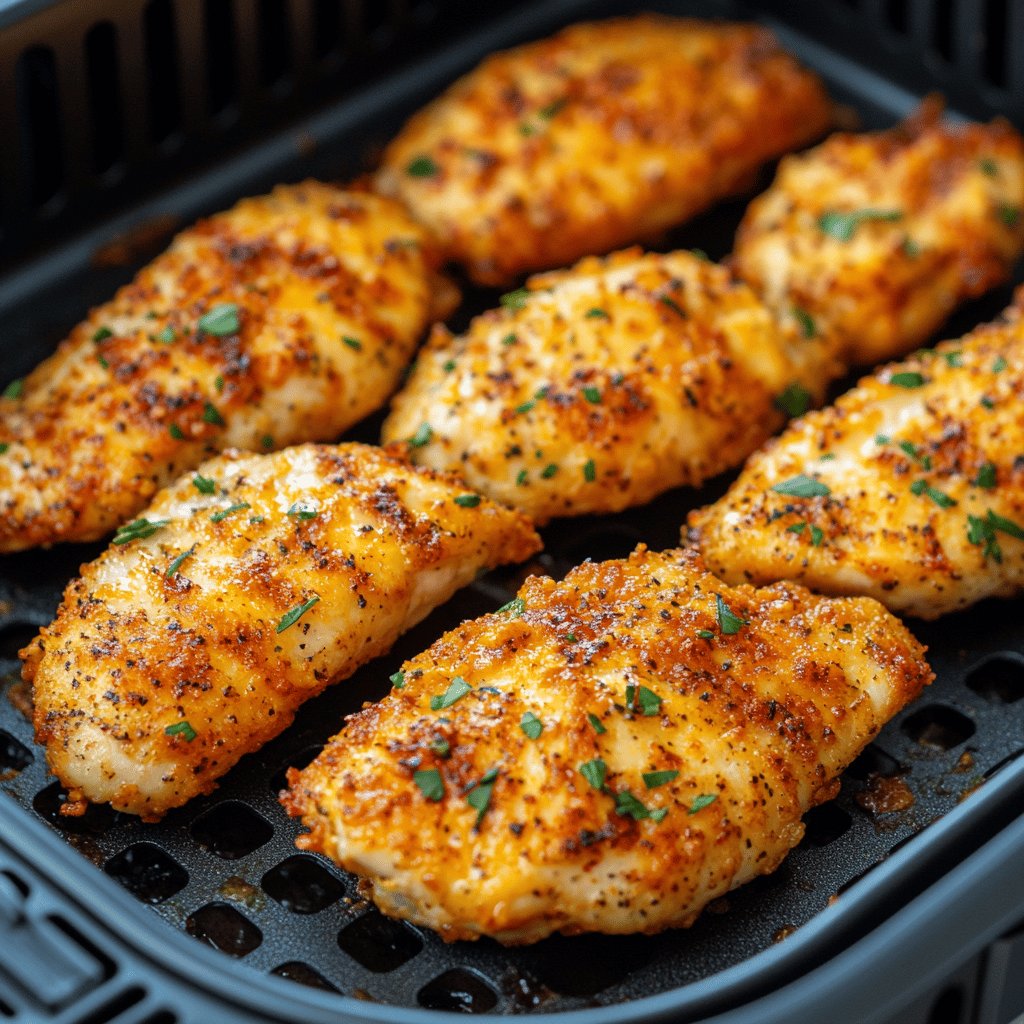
589, 471
101, 334
1009, 215
4, 447
218, 383
182, 729
986, 477
449, 365
806, 322
594, 772
219, 517
987, 402
843, 226
911, 249
138, 530
514, 301
705, 634
667, 300
430, 783
176, 432
999, 365
652, 780
421, 167
627, 804
881, 439
817, 536
291, 617
353, 343
592, 394
220, 321
803, 487
591, 314
531, 725
915, 453
256, 519
988, 166
728, 621
549, 470
1007, 526
514, 608
302, 510
521, 410
441, 747
467, 500
167, 336
479, 797
177, 563
702, 801
211, 415
509, 339
204, 484
794, 401
596, 724
398, 679
922, 487
266, 442
796, 528
423, 436
457, 689
102, 361
552, 109
15, 389
649, 701
909, 379
521, 477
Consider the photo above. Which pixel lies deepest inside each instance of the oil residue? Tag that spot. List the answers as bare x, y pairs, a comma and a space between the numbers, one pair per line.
238, 890
885, 795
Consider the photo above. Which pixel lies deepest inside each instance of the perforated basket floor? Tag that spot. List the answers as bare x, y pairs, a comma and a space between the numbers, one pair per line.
225, 868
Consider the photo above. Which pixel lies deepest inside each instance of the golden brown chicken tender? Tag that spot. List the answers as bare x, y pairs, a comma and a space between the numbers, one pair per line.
909, 489
285, 319
242, 591
608, 753
876, 238
601, 135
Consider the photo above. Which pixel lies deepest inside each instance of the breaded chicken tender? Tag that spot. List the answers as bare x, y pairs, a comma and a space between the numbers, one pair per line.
597, 137
285, 319
909, 489
241, 592
874, 239
599, 387
608, 753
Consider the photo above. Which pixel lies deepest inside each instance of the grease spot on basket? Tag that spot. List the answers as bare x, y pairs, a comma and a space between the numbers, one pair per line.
459, 990
884, 795
238, 890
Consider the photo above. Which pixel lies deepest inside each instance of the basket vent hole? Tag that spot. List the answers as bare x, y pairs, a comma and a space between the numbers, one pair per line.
15, 636
102, 62
873, 760
274, 43
160, 33
14, 755
279, 780
999, 678
6, 1010
825, 824
40, 119
326, 28
942, 28
221, 57
231, 830
97, 819
938, 727
948, 1007
302, 885
147, 872
995, 38
458, 990
18, 882
224, 928
303, 974
378, 18
587, 964
112, 1009
379, 943
896, 15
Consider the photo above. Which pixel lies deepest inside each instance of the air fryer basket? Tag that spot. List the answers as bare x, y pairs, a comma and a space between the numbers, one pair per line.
869, 889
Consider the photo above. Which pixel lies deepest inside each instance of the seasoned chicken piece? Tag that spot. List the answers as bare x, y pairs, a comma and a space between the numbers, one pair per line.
285, 319
910, 488
599, 387
602, 135
607, 753
875, 239
242, 591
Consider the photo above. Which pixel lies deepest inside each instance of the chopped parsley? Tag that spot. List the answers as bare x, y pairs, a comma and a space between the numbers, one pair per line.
531, 725
986, 476
549, 470
1009, 215
915, 453
817, 534
353, 343
424, 435
177, 563
4, 446
911, 248
515, 608
595, 312
421, 167
999, 365
652, 780
398, 679
803, 487
794, 401
988, 166
509, 339
521, 477
204, 484
302, 510
806, 322
596, 724
457, 689
441, 747
467, 500
843, 226
648, 701
705, 634
589, 471
14, 389
430, 783
266, 442
449, 365
218, 383
138, 530
667, 300
627, 804
594, 772
923, 487
220, 321
514, 301
592, 394
291, 617
176, 432
909, 379
729, 622
182, 729
552, 109
211, 415
220, 516
521, 410
167, 335
479, 797
102, 334
702, 801
983, 531
102, 361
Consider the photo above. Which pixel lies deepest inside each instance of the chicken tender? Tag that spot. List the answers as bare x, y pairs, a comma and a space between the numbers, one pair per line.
608, 753
600, 387
876, 238
910, 488
599, 136
241, 592
286, 319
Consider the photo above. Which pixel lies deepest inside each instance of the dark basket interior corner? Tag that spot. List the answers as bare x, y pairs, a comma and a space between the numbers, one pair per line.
105, 105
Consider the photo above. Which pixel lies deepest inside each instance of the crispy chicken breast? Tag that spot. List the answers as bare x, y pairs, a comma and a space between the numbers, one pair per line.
601, 135
286, 319
607, 753
599, 387
875, 238
243, 590
910, 488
